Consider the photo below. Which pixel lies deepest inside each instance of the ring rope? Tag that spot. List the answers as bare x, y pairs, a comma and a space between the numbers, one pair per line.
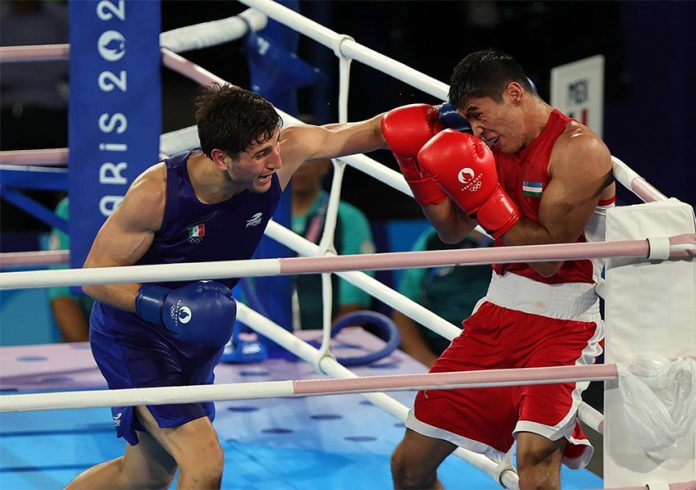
213, 33
45, 157
592, 417
42, 52
350, 48
313, 387
685, 246
634, 182
47, 257
197, 36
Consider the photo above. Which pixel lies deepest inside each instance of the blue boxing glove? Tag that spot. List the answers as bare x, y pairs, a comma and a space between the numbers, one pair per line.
202, 312
450, 118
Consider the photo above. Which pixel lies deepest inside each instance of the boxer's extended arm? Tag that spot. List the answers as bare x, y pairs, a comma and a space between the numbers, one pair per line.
580, 170
306, 142
127, 234
406, 129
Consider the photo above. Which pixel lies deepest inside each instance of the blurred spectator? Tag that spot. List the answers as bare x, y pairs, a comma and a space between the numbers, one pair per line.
449, 292
352, 236
70, 311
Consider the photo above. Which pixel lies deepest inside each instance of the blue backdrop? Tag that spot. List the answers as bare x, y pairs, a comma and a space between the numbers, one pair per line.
115, 109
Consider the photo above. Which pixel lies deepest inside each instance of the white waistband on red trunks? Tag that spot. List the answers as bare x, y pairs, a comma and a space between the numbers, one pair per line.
566, 301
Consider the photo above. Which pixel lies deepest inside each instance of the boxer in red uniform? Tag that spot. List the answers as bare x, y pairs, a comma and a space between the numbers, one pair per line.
529, 175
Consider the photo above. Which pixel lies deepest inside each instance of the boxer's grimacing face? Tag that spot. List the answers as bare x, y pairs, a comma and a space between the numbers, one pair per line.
498, 124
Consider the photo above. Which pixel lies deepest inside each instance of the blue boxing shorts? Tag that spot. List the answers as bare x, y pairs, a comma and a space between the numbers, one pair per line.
132, 353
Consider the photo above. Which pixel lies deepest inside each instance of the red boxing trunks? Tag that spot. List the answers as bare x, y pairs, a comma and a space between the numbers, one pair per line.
500, 336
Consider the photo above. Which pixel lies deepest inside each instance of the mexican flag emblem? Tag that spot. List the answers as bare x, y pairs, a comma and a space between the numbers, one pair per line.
196, 233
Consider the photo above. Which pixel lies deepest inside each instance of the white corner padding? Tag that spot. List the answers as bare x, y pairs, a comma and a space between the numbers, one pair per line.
659, 403
650, 315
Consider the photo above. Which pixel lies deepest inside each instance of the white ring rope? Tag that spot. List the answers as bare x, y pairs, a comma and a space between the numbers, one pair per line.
313, 387
309, 265
349, 48
197, 36
42, 52
15, 259
592, 417
176, 141
213, 33
634, 182
46, 157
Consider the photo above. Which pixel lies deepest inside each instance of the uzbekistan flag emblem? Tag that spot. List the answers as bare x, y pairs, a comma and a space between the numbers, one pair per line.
533, 189
196, 233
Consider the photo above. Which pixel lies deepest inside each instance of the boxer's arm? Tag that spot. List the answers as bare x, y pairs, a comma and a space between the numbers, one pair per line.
580, 169
406, 130
127, 234
302, 143
449, 220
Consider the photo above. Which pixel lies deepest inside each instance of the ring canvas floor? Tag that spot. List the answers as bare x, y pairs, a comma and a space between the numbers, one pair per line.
321, 442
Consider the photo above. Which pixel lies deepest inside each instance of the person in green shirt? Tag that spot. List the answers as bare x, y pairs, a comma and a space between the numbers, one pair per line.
70, 311
352, 236
449, 292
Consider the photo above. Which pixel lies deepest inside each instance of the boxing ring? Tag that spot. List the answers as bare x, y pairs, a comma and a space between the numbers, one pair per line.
260, 405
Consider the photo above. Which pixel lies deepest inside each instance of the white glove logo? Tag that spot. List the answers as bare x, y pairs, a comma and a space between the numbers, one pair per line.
180, 313
184, 314
465, 175
468, 177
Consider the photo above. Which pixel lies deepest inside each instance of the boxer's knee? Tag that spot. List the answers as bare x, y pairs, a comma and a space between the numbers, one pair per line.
204, 469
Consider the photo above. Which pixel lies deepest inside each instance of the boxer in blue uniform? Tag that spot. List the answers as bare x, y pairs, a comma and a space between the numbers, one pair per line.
205, 204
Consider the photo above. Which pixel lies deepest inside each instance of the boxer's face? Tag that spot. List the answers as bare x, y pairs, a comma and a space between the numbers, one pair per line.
498, 124
256, 165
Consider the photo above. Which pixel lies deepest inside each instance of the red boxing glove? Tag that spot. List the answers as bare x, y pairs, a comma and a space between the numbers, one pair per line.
465, 168
406, 129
